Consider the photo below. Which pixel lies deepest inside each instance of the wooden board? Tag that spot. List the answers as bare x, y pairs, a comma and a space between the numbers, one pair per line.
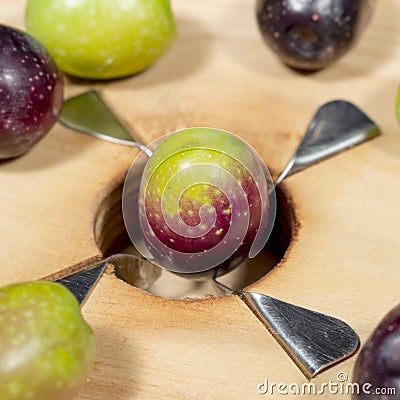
344, 261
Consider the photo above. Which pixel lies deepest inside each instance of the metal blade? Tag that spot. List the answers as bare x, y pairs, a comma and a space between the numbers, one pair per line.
337, 126
82, 283
88, 113
313, 340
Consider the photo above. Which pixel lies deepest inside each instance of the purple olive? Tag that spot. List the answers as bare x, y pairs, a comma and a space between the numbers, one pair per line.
311, 34
377, 369
31, 92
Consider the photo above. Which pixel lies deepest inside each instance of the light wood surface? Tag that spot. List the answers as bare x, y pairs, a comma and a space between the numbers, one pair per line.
344, 261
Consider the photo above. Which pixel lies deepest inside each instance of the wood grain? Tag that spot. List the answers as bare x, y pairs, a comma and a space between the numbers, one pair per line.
219, 73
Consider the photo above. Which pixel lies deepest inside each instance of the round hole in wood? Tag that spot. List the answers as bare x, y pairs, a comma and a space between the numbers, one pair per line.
111, 237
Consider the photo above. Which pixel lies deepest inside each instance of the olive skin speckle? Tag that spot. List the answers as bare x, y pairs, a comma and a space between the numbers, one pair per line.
47, 348
195, 202
31, 92
102, 39
312, 34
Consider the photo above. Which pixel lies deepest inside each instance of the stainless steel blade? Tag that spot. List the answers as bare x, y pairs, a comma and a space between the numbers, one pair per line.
337, 126
82, 283
88, 113
313, 340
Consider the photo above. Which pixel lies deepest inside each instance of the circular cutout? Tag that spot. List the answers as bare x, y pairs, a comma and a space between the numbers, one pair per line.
112, 237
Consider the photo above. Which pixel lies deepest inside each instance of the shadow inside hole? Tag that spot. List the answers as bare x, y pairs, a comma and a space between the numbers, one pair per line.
112, 238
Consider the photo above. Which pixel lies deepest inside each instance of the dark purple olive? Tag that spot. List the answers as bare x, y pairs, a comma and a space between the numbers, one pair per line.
377, 369
31, 92
311, 34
